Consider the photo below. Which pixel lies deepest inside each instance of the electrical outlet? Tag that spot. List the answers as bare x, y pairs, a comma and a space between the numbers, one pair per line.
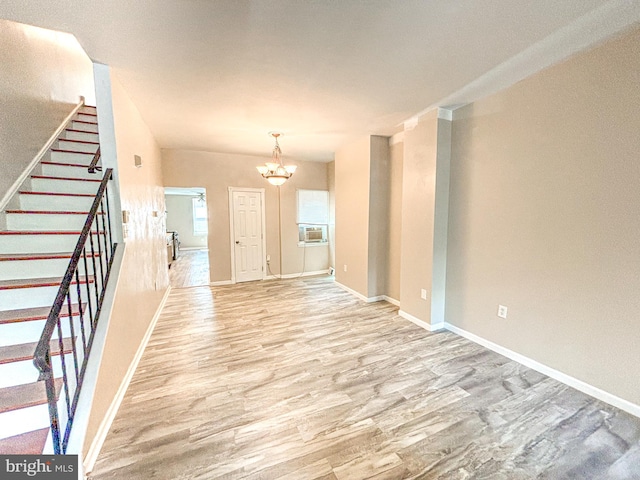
344, 268
423, 294
268, 258
502, 311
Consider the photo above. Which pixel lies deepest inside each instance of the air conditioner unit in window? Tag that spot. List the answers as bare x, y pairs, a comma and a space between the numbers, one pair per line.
313, 234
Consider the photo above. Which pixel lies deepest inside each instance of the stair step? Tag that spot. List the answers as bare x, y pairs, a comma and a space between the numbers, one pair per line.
86, 122
35, 265
75, 152
38, 232
58, 194
89, 127
72, 134
86, 117
70, 157
45, 219
39, 282
25, 351
76, 146
88, 142
66, 179
33, 314
27, 332
14, 257
62, 169
48, 212
30, 443
27, 242
63, 164
65, 202
24, 396
48, 183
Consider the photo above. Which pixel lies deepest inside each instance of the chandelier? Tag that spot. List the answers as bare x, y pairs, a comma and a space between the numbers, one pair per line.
274, 171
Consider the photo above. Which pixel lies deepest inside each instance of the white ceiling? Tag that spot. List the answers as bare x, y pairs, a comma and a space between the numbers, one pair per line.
218, 75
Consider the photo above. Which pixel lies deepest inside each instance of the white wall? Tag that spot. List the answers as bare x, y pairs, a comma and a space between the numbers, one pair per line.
43, 74
180, 219
144, 277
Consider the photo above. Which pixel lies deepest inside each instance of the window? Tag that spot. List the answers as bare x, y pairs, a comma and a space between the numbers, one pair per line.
312, 216
200, 226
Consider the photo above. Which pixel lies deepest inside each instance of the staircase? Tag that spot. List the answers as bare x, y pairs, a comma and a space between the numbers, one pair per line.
38, 233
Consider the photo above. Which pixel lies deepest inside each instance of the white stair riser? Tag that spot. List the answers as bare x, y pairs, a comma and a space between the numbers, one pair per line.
27, 298
24, 420
58, 203
20, 373
85, 117
88, 109
19, 269
37, 243
70, 172
17, 373
84, 127
36, 222
77, 146
84, 136
28, 332
72, 158
22, 269
63, 186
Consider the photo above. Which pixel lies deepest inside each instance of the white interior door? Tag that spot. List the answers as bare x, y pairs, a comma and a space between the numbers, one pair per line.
247, 234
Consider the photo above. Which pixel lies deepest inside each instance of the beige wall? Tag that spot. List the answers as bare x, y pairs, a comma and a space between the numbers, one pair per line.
379, 191
396, 152
545, 196
418, 204
143, 278
42, 76
180, 219
216, 172
352, 214
362, 198
331, 181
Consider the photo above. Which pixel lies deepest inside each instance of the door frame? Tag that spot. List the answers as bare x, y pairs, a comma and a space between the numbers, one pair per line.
232, 241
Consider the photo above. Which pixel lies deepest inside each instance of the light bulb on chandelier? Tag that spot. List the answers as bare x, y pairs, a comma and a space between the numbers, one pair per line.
275, 172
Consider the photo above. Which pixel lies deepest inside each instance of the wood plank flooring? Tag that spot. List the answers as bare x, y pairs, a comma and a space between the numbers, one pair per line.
190, 269
298, 379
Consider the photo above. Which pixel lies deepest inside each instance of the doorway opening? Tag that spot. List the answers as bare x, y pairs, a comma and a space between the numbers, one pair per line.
187, 236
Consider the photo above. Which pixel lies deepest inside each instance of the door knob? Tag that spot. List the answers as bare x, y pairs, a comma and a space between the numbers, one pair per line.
237, 242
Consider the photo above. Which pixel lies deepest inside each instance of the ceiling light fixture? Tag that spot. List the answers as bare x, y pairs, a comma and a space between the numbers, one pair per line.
275, 172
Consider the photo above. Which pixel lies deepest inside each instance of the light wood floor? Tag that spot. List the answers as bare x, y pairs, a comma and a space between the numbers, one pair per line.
190, 269
300, 380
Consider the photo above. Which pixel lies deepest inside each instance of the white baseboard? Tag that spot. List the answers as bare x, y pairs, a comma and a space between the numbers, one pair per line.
296, 275
379, 298
392, 301
193, 248
221, 282
105, 425
359, 295
421, 323
573, 382
306, 274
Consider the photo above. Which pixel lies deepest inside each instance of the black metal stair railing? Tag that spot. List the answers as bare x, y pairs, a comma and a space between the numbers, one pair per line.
93, 166
73, 319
